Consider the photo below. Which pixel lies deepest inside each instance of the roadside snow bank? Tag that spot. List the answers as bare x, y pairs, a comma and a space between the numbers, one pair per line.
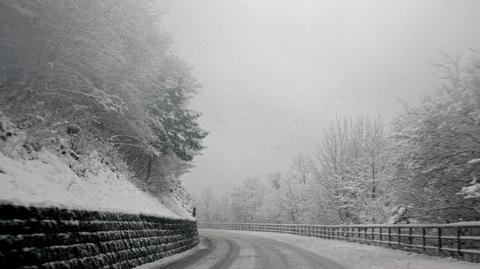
48, 181
360, 256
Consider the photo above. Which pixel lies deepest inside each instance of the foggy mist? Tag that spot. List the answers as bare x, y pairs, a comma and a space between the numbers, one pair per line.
275, 72
220, 134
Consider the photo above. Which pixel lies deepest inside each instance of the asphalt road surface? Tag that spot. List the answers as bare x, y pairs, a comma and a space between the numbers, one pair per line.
223, 249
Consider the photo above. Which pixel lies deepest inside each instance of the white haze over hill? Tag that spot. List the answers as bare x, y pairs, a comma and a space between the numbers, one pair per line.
275, 72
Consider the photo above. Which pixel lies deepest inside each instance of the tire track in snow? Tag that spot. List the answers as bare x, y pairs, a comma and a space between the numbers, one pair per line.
234, 250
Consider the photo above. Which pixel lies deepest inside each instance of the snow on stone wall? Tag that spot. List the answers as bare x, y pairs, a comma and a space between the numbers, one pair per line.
34, 237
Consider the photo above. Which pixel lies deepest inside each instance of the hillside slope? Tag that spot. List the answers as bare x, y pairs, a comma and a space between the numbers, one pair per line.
49, 178
94, 107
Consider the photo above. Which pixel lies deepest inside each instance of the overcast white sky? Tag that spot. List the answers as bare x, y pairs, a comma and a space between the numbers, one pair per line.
275, 72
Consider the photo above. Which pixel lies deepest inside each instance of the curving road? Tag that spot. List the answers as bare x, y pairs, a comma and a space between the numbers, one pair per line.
223, 249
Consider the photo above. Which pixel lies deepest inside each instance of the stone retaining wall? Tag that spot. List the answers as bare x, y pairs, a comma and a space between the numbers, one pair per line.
32, 237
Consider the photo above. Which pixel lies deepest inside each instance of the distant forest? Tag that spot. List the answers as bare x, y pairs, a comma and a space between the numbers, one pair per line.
423, 166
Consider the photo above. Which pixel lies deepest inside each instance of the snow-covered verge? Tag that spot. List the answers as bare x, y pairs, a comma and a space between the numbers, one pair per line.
48, 181
168, 261
41, 168
360, 256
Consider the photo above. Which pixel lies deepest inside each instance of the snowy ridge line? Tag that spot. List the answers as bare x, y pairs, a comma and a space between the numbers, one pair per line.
37, 237
458, 240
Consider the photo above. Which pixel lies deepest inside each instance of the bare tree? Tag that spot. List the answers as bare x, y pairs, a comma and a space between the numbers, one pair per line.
352, 160
206, 204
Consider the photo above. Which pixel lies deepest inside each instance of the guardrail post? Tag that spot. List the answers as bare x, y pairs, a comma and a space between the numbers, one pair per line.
423, 238
439, 233
389, 236
399, 236
459, 243
381, 234
410, 240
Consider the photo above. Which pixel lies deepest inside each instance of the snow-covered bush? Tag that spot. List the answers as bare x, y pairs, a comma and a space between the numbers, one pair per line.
473, 189
435, 142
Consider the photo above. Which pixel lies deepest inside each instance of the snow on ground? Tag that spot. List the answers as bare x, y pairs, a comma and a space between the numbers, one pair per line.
48, 181
361, 256
167, 261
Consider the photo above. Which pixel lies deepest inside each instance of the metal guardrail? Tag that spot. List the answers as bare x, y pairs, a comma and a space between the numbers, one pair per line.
460, 240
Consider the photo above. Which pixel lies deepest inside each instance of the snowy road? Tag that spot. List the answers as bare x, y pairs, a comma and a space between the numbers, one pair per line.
240, 249
223, 249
